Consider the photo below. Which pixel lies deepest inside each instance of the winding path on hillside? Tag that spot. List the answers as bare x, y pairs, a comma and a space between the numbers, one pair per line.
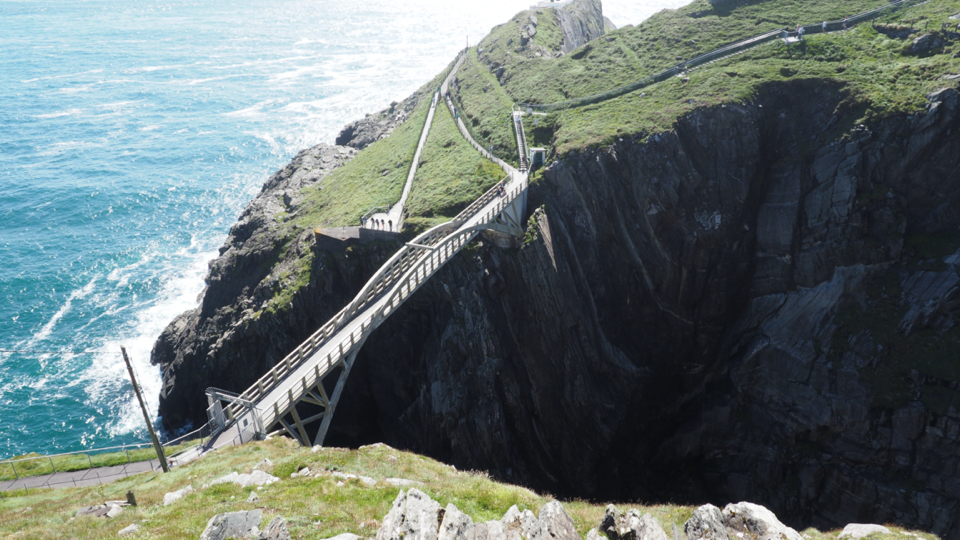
721, 53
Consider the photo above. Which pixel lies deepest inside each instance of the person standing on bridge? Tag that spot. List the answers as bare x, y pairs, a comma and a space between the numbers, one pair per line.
390, 222
824, 27
844, 23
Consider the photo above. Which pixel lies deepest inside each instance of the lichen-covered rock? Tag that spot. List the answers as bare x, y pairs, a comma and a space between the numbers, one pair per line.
455, 525
556, 524
748, 521
413, 516
133, 528
856, 531
275, 530
706, 524
926, 43
175, 496
233, 525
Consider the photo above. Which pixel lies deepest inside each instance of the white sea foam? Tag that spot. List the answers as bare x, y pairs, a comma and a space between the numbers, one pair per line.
47, 328
59, 114
103, 381
64, 76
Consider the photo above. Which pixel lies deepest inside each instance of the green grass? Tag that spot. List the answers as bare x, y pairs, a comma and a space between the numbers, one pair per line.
375, 177
451, 175
76, 462
488, 114
631, 53
313, 507
879, 78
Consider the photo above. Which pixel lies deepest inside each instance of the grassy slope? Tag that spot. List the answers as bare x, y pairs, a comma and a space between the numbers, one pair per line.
375, 177
451, 175
488, 114
632, 53
313, 507
869, 63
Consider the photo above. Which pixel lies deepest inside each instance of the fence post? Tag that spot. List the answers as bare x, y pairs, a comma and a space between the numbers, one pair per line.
52, 466
15, 470
89, 459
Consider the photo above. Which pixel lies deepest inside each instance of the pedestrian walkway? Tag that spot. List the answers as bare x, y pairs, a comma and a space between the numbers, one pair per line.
393, 217
86, 477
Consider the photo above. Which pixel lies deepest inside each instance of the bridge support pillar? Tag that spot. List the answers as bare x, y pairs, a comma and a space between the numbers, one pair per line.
337, 391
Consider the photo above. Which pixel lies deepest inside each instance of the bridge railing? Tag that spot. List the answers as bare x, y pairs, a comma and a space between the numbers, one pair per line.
382, 280
387, 273
476, 205
443, 252
710, 56
427, 263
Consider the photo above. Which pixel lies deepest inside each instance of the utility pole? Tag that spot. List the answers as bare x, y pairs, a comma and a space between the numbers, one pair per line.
146, 416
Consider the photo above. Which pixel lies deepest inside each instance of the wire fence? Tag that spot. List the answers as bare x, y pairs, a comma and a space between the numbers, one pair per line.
718, 53
94, 466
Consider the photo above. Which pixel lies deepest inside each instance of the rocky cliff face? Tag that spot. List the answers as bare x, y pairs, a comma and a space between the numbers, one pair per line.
581, 21
759, 304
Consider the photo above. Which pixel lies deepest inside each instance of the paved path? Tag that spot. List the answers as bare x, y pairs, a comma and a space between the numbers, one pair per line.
394, 216
87, 477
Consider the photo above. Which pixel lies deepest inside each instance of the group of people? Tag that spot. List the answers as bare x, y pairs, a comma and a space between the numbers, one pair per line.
378, 224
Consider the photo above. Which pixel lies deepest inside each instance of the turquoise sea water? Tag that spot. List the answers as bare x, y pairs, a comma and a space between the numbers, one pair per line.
131, 136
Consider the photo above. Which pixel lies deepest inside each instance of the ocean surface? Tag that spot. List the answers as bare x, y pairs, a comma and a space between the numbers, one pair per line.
132, 134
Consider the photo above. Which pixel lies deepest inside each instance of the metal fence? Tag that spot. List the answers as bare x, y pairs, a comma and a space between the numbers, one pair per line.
67, 472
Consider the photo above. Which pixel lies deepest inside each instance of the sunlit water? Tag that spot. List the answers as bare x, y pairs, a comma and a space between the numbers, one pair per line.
131, 136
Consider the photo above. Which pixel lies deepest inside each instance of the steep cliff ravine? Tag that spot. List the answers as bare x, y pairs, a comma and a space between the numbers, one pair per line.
760, 304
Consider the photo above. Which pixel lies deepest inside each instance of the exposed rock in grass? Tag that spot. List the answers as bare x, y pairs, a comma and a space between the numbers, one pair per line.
706, 524
631, 526
256, 478
856, 531
175, 496
233, 525
128, 530
748, 521
276, 530
402, 482
927, 43
110, 509
413, 516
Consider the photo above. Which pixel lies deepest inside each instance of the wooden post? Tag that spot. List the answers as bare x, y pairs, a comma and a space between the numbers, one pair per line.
146, 416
